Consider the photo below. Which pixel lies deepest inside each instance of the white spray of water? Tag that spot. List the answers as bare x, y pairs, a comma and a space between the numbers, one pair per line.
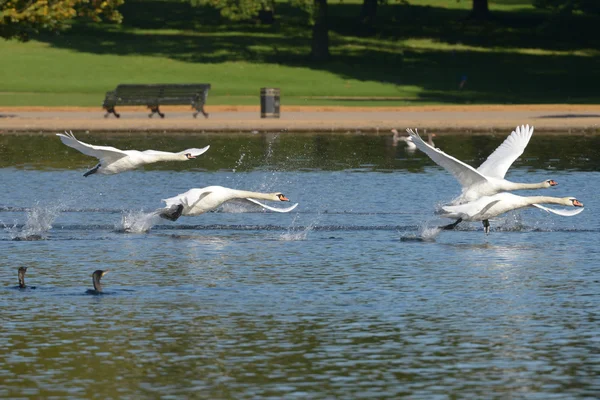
292, 235
39, 221
424, 234
429, 233
239, 162
235, 207
137, 222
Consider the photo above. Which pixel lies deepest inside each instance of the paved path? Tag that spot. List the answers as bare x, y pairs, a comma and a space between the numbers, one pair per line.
546, 118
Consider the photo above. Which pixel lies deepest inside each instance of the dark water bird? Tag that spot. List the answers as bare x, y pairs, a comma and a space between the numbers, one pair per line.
22, 285
96, 276
28, 238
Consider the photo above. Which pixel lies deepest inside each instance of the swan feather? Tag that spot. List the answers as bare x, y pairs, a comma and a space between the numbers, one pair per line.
564, 213
464, 173
498, 163
281, 210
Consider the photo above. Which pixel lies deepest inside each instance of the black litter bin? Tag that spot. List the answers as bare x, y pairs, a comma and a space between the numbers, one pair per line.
269, 103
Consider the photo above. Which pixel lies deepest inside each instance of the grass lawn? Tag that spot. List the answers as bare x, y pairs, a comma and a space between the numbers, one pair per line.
418, 54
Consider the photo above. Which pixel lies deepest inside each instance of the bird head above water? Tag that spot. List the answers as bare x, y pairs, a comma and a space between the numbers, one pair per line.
551, 182
22, 271
575, 202
281, 197
96, 276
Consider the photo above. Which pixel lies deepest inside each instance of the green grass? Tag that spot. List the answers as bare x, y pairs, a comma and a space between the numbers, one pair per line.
417, 55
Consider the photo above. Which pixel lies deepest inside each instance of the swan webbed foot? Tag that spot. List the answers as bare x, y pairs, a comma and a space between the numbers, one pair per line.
451, 226
92, 171
486, 226
172, 213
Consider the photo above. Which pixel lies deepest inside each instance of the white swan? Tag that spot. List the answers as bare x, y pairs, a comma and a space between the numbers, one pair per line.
113, 161
488, 207
198, 201
488, 179
407, 139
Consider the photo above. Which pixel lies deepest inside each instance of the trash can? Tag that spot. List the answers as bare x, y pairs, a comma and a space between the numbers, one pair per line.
269, 103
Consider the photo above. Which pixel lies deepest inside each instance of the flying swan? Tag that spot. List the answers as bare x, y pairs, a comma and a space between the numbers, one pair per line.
488, 207
198, 201
113, 161
488, 179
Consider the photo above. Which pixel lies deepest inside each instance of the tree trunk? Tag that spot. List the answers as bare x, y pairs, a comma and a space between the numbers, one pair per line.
480, 10
320, 33
368, 12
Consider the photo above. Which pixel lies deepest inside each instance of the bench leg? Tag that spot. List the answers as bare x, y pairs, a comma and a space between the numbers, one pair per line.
155, 109
111, 110
201, 110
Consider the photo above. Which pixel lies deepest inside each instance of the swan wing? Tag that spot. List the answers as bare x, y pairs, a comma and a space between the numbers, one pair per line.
564, 213
281, 210
464, 173
189, 198
472, 210
100, 152
502, 158
194, 152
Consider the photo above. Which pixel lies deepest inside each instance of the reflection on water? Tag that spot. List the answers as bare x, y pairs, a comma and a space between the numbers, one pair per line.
291, 152
354, 294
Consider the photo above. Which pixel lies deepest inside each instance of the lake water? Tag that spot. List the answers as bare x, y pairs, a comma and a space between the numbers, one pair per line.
327, 301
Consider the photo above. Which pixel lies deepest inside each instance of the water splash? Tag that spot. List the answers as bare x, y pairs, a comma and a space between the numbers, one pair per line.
239, 162
39, 222
235, 207
137, 222
297, 235
271, 138
424, 233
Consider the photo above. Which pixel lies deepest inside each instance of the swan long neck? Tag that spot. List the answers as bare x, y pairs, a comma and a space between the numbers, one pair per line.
242, 194
524, 186
171, 157
549, 200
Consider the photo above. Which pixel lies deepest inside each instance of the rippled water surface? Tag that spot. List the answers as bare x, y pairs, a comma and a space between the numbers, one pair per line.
351, 295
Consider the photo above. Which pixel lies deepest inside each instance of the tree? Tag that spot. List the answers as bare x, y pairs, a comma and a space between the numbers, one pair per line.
320, 33
21, 18
368, 12
245, 10
239, 10
480, 10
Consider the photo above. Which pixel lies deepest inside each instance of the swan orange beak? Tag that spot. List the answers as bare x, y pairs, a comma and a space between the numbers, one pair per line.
552, 182
577, 203
283, 198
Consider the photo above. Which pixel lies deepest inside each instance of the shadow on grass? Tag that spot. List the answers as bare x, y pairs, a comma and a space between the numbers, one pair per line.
199, 35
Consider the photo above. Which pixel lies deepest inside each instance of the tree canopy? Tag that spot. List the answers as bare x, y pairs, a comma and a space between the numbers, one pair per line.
21, 18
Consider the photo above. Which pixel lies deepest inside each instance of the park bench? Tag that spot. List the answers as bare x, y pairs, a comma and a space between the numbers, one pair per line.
155, 95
